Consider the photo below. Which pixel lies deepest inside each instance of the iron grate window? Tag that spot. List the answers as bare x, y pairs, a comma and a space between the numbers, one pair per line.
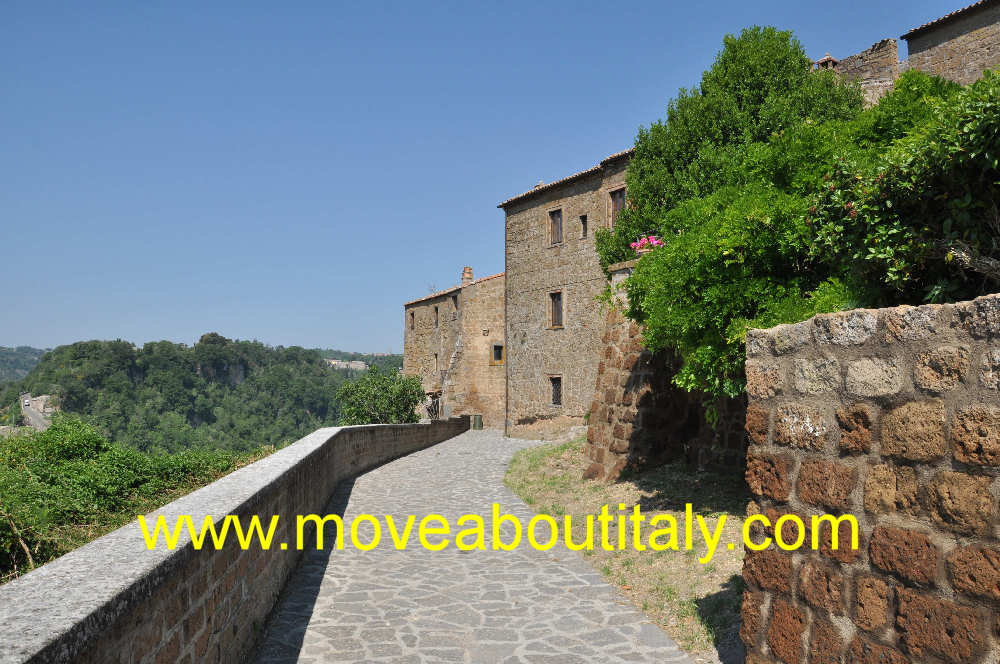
556, 383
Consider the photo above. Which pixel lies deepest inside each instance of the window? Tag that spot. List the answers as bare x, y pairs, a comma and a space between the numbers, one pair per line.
556, 383
454, 302
555, 227
556, 302
435, 320
411, 320
583, 225
435, 361
617, 203
497, 357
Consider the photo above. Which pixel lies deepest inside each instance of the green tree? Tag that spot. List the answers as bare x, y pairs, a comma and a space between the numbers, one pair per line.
380, 398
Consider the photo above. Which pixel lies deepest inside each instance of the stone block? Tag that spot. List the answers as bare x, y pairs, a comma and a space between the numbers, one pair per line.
915, 431
942, 369
906, 553
937, 627
961, 503
826, 484
764, 379
751, 615
784, 634
975, 571
989, 369
800, 426
769, 569
759, 343
825, 643
975, 435
912, 323
822, 586
872, 601
816, 376
789, 338
891, 489
980, 317
758, 422
856, 424
768, 475
863, 651
874, 377
849, 328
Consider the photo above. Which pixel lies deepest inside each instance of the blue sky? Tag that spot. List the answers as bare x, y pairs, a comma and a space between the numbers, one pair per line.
294, 172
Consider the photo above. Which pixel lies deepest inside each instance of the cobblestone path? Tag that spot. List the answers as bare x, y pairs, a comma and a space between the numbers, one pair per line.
478, 607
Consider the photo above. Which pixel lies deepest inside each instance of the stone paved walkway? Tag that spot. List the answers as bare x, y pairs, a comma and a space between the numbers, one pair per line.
449, 606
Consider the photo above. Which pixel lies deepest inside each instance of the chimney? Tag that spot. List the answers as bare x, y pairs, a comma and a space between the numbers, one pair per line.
467, 276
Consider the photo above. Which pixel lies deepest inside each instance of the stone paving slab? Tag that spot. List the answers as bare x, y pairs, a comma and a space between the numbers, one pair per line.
478, 607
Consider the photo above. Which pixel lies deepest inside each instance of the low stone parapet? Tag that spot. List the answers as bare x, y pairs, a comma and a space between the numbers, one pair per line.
114, 600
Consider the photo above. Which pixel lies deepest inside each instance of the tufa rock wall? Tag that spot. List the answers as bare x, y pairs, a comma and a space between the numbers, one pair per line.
638, 417
892, 416
960, 49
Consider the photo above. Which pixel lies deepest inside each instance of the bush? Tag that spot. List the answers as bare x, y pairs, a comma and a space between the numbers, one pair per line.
731, 183
64, 486
921, 222
380, 398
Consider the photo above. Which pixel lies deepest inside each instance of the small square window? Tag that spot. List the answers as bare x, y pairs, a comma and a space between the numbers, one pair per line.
556, 383
556, 309
555, 227
583, 225
497, 356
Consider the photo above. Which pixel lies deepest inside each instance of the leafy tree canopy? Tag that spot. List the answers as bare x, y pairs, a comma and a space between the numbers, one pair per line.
380, 398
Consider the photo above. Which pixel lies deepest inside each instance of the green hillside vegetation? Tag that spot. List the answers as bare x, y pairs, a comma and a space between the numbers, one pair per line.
219, 393
68, 485
777, 196
15, 363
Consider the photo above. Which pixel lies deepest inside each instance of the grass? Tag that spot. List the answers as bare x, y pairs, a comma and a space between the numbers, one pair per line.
697, 604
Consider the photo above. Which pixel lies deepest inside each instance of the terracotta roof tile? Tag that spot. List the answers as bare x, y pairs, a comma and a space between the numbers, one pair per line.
569, 178
948, 17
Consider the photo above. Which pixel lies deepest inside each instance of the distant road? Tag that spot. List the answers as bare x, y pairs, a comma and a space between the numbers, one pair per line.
34, 418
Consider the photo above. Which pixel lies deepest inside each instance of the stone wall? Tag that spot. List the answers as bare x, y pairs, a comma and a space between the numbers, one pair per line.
536, 267
475, 382
892, 416
431, 329
130, 605
961, 48
638, 418
876, 68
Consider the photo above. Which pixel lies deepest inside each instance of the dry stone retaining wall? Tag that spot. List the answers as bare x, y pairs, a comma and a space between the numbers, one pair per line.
892, 416
130, 605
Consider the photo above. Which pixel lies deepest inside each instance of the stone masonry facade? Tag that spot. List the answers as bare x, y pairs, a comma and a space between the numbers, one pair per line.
892, 416
553, 357
454, 341
959, 46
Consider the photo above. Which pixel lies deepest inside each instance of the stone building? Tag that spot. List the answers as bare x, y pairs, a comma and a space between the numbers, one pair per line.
959, 46
554, 323
454, 341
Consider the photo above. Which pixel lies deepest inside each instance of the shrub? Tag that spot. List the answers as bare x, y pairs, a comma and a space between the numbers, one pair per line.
379, 397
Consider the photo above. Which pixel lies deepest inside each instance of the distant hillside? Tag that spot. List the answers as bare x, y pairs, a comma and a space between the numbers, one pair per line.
15, 363
218, 393
385, 361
